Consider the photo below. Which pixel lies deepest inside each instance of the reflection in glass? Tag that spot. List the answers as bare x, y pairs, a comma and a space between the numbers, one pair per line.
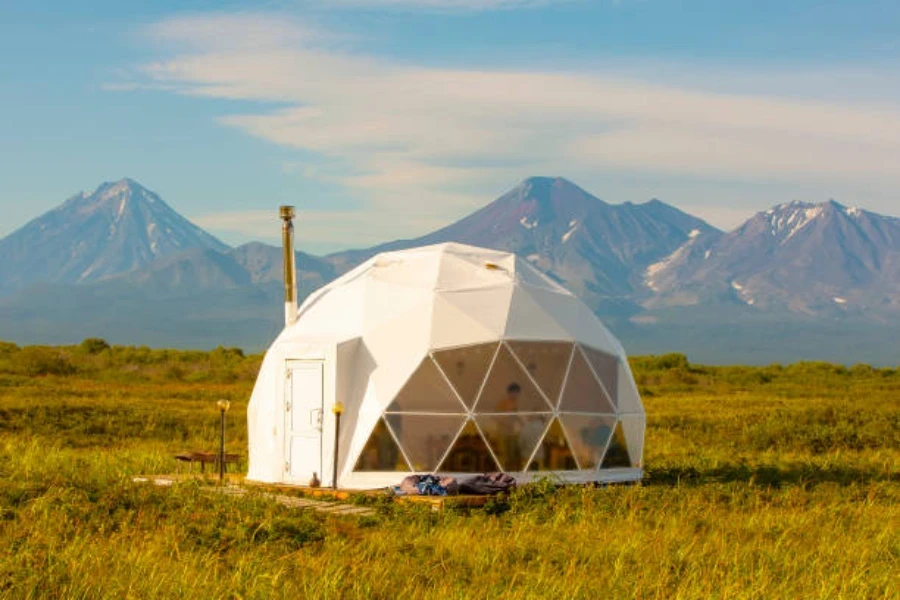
466, 368
582, 393
633, 428
424, 438
469, 454
513, 438
426, 391
617, 454
588, 435
381, 452
553, 454
546, 362
606, 366
508, 389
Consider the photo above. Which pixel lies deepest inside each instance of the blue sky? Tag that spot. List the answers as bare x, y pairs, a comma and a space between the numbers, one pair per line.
387, 118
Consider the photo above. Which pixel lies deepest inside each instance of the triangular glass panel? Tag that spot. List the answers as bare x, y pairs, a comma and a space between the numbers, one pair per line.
546, 362
606, 367
426, 391
381, 452
469, 454
633, 426
582, 392
424, 438
589, 435
508, 389
513, 438
617, 454
553, 453
466, 368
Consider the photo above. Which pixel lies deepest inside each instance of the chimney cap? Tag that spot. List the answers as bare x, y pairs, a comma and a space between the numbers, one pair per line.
287, 212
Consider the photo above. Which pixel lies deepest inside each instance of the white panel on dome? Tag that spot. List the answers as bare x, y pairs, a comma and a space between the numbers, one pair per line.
384, 301
406, 269
634, 428
452, 325
628, 397
530, 320
460, 273
489, 307
338, 315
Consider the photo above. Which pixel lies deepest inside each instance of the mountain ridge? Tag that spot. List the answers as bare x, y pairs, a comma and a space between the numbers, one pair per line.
655, 274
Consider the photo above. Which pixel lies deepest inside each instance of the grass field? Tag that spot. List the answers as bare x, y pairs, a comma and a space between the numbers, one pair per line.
774, 482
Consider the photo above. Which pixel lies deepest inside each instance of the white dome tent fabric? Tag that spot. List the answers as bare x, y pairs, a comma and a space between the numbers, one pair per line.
446, 359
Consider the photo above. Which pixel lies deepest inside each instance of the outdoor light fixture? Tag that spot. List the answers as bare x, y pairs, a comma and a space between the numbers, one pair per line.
223, 406
338, 410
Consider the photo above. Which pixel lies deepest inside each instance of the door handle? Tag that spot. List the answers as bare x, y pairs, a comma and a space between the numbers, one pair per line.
317, 420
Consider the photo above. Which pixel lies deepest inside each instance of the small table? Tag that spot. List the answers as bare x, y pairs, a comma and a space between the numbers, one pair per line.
205, 458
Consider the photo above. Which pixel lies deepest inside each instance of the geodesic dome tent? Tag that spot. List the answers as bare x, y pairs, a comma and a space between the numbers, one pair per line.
449, 359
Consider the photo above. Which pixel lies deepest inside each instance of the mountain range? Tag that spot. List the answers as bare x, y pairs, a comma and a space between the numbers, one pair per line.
799, 281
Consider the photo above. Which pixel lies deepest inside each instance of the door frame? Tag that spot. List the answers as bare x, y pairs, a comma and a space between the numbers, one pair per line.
290, 365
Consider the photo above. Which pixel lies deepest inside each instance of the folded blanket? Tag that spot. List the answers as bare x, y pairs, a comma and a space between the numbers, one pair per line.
432, 485
487, 484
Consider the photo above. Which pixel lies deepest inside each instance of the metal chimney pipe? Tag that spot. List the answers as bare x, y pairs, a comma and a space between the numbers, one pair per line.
290, 272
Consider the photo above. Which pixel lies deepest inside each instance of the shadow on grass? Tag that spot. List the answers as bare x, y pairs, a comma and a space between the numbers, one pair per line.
766, 475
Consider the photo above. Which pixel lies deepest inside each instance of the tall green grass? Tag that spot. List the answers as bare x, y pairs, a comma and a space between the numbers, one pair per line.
774, 482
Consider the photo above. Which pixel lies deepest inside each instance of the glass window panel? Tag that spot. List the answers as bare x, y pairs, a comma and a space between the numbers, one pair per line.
617, 454
513, 438
606, 366
553, 453
581, 392
466, 368
426, 391
589, 435
633, 427
546, 362
508, 389
425, 438
470, 453
381, 452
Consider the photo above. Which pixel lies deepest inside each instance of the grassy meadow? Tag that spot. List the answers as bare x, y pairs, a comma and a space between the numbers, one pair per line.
770, 482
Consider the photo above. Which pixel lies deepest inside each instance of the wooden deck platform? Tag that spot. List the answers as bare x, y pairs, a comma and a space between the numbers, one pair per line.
320, 499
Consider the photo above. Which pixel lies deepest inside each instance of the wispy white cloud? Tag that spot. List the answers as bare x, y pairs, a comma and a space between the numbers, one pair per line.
445, 5
425, 139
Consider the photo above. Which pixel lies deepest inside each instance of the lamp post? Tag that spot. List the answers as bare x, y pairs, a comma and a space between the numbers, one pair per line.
338, 410
223, 406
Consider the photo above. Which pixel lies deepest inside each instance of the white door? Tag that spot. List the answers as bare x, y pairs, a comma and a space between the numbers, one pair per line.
303, 421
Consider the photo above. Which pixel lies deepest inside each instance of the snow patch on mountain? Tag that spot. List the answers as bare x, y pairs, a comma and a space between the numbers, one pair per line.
786, 220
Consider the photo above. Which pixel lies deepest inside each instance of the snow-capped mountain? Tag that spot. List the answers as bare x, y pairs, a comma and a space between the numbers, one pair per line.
119, 227
596, 249
663, 280
809, 258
